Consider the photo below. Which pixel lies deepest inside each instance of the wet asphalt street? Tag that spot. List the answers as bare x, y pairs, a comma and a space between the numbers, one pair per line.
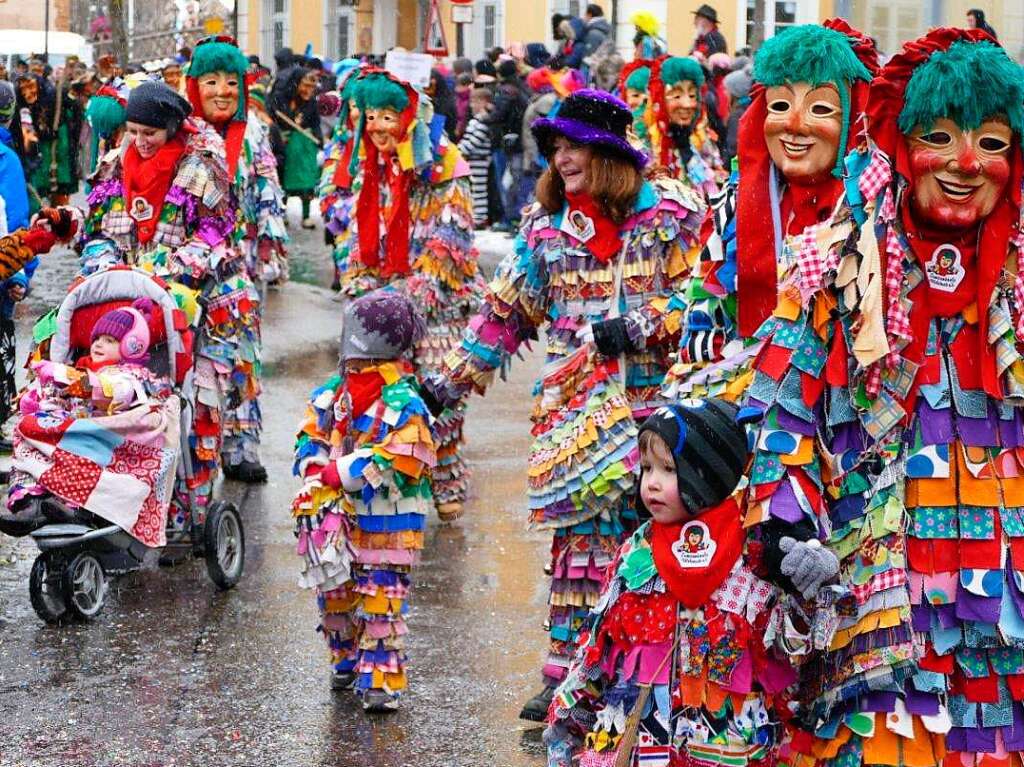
174, 672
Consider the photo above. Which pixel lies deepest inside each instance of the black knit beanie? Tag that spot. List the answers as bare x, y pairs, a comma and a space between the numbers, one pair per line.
158, 106
709, 445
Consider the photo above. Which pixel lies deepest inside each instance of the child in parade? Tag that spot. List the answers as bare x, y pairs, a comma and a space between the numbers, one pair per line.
365, 453
685, 661
475, 146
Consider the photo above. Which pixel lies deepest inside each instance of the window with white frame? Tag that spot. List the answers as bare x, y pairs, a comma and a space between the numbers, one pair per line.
339, 30
778, 14
490, 25
276, 29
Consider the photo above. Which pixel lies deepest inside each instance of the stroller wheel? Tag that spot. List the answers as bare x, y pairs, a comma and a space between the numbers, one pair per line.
85, 585
45, 590
224, 544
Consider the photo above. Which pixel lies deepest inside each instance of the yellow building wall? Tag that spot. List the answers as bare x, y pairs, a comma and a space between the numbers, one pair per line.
679, 32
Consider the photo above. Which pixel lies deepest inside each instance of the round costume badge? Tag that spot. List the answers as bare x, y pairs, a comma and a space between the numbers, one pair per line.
695, 546
944, 269
141, 209
579, 225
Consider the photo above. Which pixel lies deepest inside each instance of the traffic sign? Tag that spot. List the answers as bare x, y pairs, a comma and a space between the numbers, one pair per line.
434, 41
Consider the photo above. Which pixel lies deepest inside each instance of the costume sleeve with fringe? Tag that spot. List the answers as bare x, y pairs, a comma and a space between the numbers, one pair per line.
261, 232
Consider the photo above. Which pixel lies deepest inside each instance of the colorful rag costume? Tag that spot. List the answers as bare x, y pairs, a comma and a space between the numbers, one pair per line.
186, 238
559, 278
685, 659
259, 235
361, 531
892, 394
760, 214
635, 78
335, 190
689, 153
412, 227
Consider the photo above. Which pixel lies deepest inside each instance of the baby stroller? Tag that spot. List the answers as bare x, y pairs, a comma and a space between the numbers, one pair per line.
83, 544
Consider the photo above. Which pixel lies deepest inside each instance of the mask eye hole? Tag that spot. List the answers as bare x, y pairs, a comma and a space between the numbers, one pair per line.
937, 138
993, 144
823, 109
778, 106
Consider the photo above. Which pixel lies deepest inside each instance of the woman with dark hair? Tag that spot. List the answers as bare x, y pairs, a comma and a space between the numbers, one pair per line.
976, 20
163, 202
599, 264
443, 98
293, 108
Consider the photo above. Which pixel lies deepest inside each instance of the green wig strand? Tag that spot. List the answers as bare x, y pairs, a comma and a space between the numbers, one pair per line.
217, 57
639, 79
678, 68
808, 53
105, 114
377, 91
940, 88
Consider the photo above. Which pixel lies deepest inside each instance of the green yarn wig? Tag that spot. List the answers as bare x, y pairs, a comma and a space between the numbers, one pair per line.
213, 55
808, 53
678, 68
217, 57
967, 83
105, 114
378, 91
639, 79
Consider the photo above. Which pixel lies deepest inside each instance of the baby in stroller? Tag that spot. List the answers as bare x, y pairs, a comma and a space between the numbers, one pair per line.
110, 390
100, 451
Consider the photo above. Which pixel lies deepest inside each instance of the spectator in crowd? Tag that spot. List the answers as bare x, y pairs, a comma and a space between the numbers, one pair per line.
475, 146
567, 31
461, 66
537, 55
976, 20
737, 84
444, 100
596, 29
463, 112
171, 74
647, 42
283, 59
506, 124
707, 38
486, 73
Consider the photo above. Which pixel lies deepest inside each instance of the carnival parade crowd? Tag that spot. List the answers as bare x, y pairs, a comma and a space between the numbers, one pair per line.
778, 437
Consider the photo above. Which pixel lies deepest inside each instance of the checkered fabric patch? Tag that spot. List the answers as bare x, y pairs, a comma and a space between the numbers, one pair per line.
899, 332
810, 267
875, 176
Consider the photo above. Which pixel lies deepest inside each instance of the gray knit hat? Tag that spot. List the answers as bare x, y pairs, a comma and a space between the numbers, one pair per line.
381, 325
739, 82
8, 100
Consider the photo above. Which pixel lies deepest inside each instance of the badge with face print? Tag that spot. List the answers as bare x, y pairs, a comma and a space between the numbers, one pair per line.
141, 209
944, 269
579, 225
695, 547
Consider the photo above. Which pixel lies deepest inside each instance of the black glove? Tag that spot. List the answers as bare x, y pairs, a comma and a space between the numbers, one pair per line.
610, 337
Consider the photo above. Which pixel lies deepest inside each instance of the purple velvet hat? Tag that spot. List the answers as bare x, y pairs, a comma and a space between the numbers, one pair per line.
590, 117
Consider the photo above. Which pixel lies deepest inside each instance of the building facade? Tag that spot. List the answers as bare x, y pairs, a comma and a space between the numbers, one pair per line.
338, 28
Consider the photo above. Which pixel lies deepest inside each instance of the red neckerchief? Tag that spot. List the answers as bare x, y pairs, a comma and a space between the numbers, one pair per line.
755, 233
923, 245
693, 585
363, 389
888, 91
606, 241
368, 214
150, 179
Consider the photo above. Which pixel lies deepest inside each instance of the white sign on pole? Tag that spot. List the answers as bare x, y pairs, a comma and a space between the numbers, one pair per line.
414, 68
462, 14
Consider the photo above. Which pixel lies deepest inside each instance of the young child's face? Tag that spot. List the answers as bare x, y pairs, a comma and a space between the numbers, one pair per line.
659, 484
478, 104
105, 349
